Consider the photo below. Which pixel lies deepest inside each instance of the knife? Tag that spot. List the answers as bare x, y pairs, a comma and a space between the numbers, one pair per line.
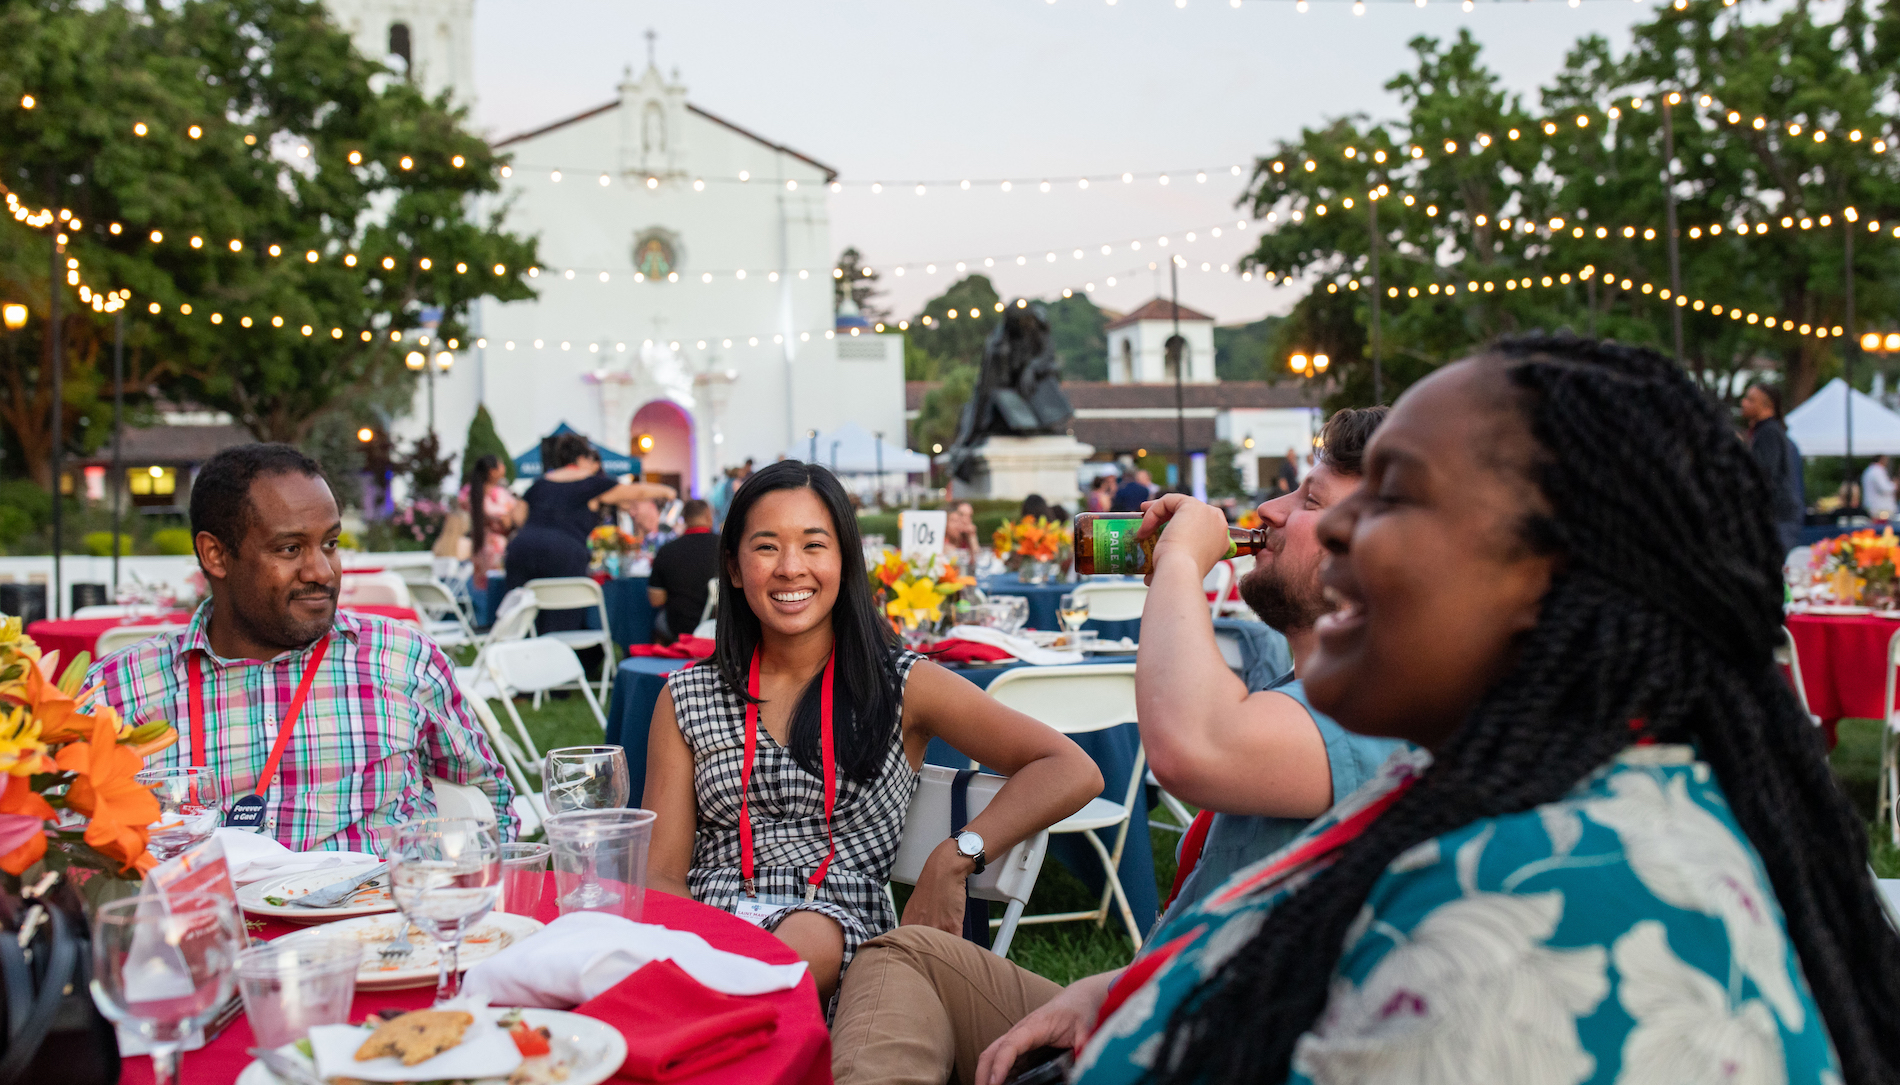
287, 1069
337, 892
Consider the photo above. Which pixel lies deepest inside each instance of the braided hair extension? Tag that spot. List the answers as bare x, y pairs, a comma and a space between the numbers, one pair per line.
1665, 610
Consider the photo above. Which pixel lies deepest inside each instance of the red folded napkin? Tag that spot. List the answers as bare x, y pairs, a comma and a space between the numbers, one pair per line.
676, 1026
687, 647
964, 651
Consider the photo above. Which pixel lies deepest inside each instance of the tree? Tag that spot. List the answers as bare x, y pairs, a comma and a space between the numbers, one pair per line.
484, 441
1240, 351
1078, 332
267, 138
942, 408
1223, 474
859, 283
945, 341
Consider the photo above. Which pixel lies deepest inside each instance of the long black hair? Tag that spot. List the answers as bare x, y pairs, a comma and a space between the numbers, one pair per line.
478, 501
866, 701
1666, 609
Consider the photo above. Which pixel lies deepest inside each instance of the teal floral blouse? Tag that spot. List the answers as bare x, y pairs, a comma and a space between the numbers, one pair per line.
1626, 933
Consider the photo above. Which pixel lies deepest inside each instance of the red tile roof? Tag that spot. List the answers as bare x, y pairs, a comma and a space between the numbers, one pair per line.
1157, 309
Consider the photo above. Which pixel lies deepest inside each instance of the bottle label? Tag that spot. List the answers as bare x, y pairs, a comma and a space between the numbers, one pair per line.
1119, 553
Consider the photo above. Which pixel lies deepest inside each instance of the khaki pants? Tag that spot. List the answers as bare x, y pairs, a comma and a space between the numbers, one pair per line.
918, 1003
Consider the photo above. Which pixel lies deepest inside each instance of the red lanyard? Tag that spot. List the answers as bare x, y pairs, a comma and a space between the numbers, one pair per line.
745, 778
195, 693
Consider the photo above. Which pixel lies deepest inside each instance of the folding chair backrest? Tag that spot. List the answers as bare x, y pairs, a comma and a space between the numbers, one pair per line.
101, 610
516, 622
534, 664
112, 640
513, 758
1006, 878
711, 610
566, 593
1219, 583
1073, 698
1113, 601
433, 598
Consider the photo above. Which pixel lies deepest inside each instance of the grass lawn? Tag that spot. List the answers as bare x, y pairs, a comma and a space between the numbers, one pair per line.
1856, 763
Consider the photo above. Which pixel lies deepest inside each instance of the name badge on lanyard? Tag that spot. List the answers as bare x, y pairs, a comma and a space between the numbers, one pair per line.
752, 908
247, 812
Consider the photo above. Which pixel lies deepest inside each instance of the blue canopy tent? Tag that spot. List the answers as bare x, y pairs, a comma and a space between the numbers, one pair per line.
528, 464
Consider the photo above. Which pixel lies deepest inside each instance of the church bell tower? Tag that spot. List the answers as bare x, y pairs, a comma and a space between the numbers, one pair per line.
431, 41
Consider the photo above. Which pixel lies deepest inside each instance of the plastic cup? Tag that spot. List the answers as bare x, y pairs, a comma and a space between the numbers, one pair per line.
523, 877
294, 983
600, 860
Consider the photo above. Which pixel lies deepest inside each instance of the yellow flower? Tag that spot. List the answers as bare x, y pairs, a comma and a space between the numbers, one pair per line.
21, 751
914, 600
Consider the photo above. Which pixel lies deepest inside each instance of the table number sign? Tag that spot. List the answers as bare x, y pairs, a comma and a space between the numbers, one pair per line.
920, 532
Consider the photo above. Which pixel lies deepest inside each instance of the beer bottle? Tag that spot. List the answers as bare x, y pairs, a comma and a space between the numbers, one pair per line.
1105, 543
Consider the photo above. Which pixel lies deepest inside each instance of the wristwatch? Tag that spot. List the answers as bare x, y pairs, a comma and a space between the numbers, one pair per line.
970, 846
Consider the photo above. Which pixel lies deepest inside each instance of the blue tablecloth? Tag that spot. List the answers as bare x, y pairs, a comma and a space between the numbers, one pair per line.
629, 614
1042, 605
637, 689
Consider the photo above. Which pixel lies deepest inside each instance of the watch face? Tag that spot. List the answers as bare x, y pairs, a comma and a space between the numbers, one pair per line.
969, 844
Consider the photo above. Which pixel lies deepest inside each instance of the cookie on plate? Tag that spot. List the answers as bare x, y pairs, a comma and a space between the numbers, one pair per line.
416, 1036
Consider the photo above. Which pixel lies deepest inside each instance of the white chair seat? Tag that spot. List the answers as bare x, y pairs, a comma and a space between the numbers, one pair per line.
1098, 814
579, 638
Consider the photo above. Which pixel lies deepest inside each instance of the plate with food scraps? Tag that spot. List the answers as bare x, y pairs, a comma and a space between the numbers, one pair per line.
1110, 647
274, 897
417, 969
556, 1046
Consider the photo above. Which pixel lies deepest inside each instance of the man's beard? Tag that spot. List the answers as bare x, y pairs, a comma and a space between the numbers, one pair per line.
279, 629
1284, 603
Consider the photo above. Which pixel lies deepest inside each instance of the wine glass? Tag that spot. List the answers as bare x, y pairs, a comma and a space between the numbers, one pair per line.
1073, 610
585, 778
1015, 613
187, 808
164, 964
445, 874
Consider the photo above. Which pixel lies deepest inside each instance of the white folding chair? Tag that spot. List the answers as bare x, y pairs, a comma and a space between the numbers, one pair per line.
442, 619
528, 805
1078, 698
384, 589
578, 593
454, 800
1113, 600
515, 621
1889, 790
101, 610
1219, 585
537, 665
112, 640
1009, 878
711, 610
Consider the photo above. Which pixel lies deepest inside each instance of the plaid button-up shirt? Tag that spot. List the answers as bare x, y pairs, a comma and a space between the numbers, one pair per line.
383, 713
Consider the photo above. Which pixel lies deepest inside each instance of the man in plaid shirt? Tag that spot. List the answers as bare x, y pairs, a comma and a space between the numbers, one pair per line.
383, 711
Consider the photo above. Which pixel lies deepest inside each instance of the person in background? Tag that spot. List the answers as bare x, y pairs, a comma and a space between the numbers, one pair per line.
796, 622
1877, 490
382, 714
494, 514
1059, 514
1780, 461
722, 495
647, 527
1101, 495
1287, 479
921, 1004
1133, 491
1034, 508
682, 571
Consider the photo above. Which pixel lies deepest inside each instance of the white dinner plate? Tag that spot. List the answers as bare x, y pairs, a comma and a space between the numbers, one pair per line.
496, 932
256, 897
1835, 608
592, 1050
1111, 647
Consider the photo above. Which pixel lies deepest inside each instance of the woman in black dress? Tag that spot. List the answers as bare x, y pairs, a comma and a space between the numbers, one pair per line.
563, 506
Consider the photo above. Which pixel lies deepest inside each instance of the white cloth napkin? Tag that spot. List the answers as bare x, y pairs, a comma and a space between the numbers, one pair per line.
582, 954
254, 857
485, 1052
1020, 647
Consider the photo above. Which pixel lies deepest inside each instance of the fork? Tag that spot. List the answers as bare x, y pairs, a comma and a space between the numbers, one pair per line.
399, 946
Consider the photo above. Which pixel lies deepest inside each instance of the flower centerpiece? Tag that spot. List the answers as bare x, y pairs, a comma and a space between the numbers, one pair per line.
1035, 548
68, 800
913, 592
1856, 568
609, 547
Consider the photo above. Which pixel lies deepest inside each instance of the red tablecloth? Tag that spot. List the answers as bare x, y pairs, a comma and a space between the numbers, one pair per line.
800, 1054
1843, 663
70, 636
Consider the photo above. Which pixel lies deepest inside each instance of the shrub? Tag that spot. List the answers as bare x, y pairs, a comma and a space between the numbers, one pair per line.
99, 543
174, 541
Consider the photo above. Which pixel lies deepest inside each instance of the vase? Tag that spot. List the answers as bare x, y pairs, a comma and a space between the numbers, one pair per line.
1878, 595
1036, 572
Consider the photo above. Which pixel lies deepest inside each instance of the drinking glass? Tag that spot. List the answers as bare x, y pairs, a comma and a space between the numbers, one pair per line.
163, 965
1015, 609
445, 874
187, 808
296, 982
585, 778
524, 870
1073, 610
595, 849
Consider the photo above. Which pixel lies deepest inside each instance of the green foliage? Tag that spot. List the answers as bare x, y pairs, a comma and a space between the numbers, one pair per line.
942, 407
1078, 332
262, 78
425, 466
99, 543
1223, 471
1240, 351
175, 541
859, 283
484, 441
944, 343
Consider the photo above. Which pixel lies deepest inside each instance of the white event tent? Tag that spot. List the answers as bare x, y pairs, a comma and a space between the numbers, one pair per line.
850, 449
1819, 425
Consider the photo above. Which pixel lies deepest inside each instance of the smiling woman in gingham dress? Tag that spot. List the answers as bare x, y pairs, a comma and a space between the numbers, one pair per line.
795, 601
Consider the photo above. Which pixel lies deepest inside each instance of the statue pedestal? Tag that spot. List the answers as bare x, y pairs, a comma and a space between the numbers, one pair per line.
1015, 467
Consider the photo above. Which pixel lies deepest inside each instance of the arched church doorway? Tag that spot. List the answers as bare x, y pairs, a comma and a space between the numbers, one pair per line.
662, 437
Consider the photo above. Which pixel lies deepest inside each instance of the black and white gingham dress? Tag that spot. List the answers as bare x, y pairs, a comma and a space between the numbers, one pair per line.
788, 814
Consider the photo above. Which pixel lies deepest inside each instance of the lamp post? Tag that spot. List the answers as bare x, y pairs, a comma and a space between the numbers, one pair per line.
1853, 338
1177, 354
1669, 218
1378, 376
54, 360
118, 437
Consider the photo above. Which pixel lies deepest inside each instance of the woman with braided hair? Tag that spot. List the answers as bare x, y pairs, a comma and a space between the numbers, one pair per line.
1624, 858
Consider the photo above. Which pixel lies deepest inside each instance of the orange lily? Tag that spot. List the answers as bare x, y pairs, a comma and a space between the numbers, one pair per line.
58, 713
24, 814
119, 808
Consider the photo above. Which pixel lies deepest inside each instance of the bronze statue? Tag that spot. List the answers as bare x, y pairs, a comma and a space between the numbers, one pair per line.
1018, 392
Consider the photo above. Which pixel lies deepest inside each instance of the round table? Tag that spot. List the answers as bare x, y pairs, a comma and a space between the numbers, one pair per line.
1843, 660
800, 1053
1042, 605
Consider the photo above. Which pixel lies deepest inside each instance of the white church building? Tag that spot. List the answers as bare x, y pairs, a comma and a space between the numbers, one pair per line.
685, 310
